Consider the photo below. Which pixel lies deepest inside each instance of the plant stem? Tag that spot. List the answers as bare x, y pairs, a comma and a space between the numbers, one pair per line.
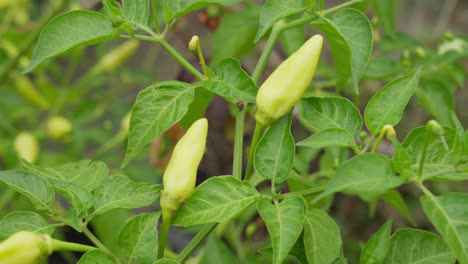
187, 65
258, 133
98, 243
238, 144
195, 242
202, 60
313, 190
379, 139
166, 225
59, 245
154, 6
341, 6
270, 45
423, 155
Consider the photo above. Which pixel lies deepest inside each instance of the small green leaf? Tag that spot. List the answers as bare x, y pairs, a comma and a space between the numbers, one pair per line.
235, 34
322, 237
96, 256
368, 175
231, 81
156, 109
136, 11
340, 48
332, 137
217, 199
395, 199
387, 105
449, 215
34, 187
69, 30
139, 237
357, 31
24, 221
330, 112
120, 192
84, 173
274, 10
413, 246
175, 9
376, 248
274, 154
284, 223
401, 160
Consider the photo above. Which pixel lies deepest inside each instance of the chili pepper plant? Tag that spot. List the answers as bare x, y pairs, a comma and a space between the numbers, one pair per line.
318, 127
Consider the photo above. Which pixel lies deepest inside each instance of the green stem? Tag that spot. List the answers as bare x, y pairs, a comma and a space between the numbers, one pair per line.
424, 189
379, 139
187, 65
202, 60
366, 147
98, 243
424, 151
59, 245
341, 6
166, 226
238, 144
258, 133
29, 41
270, 45
318, 188
195, 242
154, 6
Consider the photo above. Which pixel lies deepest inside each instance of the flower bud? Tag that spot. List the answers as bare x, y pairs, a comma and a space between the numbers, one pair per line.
194, 42
180, 175
27, 147
25, 248
286, 85
59, 127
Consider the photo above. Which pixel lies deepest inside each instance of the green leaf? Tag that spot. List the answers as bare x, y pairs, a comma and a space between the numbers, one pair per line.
413, 246
357, 31
175, 9
330, 112
332, 137
231, 81
216, 251
24, 221
235, 34
376, 248
85, 173
322, 237
368, 175
274, 154
96, 256
401, 160
438, 162
274, 10
387, 105
449, 215
438, 100
79, 199
198, 107
385, 11
35, 188
395, 200
120, 192
340, 49
380, 68
139, 237
137, 11
66, 31
217, 199
284, 223
156, 109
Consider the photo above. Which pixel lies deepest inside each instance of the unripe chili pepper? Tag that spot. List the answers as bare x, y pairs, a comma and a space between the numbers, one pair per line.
286, 85
115, 58
26, 88
27, 146
25, 248
181, 172
58, 127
